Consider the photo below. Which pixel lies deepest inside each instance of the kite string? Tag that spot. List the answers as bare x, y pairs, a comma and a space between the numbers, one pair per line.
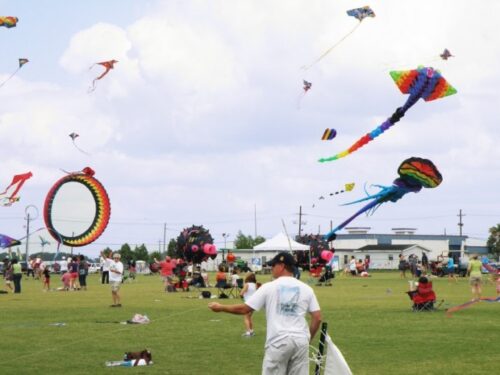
307, 67
8, 79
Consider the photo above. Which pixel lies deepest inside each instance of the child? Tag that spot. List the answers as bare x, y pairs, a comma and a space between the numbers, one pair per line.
46, 278
66, 280
248, 290
234, 278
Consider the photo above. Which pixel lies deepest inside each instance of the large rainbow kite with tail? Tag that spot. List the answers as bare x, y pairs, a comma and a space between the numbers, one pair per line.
424, 82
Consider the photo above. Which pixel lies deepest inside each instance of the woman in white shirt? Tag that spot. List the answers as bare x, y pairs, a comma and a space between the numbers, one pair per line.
248, 290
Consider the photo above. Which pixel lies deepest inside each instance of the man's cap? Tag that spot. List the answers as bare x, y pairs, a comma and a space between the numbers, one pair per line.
283, 257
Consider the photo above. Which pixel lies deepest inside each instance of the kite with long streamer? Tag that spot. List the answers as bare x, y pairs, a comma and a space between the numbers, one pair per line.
8, 21
22, 62
347, 187
17, 181
424, 82
108, 65
414, 173
360, 14
306, 86
73, 137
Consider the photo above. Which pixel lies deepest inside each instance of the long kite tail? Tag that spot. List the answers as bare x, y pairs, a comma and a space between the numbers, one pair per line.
79, 149
461, 307
306, 67
329, 236
8, 79
369, 136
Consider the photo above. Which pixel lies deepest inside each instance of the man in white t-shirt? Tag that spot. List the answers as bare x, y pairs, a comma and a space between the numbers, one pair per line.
286, 300
115, 279
106, 262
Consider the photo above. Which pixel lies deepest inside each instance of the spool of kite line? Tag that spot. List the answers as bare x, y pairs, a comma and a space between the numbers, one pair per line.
102, 208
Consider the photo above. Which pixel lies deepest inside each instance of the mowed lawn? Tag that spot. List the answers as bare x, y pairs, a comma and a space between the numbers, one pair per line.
369, 319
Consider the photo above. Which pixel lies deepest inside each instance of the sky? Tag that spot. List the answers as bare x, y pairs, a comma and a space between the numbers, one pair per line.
203, 120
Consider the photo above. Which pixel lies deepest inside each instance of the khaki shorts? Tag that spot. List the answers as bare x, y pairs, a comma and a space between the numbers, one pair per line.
475, 280
115, 286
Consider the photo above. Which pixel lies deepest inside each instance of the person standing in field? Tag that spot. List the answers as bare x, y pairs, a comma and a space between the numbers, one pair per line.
248, 291
167, 272
287, 301
475, 277
106, 262
115, 279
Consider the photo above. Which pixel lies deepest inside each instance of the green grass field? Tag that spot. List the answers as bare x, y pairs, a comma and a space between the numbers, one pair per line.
369, 320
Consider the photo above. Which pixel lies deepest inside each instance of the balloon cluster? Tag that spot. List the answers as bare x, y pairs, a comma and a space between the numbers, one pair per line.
195, 244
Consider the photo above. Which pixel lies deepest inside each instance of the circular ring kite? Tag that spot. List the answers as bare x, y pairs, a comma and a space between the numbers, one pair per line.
102, 211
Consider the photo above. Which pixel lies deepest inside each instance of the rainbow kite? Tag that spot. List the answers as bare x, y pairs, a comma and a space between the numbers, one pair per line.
424, 82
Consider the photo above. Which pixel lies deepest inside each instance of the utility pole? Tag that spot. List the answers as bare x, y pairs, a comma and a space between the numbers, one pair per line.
460, 223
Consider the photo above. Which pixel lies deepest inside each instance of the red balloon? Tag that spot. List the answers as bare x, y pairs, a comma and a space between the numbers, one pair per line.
194, 248
213, 250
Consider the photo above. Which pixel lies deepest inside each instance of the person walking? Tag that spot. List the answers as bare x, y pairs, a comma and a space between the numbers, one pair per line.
115, 279
287, 301
17, 275
475, 277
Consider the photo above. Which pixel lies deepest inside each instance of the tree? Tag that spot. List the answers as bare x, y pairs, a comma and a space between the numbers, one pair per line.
172, 248
493, 242
153, 255
247, 242
141, 253
126, 253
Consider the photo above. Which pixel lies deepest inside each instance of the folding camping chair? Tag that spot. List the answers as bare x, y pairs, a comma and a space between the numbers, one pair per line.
423, 297
222, 287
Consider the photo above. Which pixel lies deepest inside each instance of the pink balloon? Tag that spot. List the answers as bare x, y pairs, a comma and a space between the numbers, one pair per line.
213, 250
206, 248
326, 255
194, 248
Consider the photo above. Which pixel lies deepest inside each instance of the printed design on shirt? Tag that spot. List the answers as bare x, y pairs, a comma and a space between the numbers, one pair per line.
288, 300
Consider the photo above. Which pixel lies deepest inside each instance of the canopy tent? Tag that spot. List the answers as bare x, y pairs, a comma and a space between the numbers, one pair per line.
281, 242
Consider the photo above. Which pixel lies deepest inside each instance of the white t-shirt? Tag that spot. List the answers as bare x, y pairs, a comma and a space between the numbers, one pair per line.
106, 263
287, 300
113, 276
64, 265
250, 291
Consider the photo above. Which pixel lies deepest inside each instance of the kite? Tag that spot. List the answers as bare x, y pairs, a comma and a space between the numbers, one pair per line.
414, 173
423, 82
305, 88
446, 54
329, 134
195, 244
360, 14
8, 21
102, 209
74, 136
6, 241
18, 181
347, 187
22, 62
108, 65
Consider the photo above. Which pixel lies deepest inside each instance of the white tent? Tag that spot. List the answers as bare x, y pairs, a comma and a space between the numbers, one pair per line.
281, 242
